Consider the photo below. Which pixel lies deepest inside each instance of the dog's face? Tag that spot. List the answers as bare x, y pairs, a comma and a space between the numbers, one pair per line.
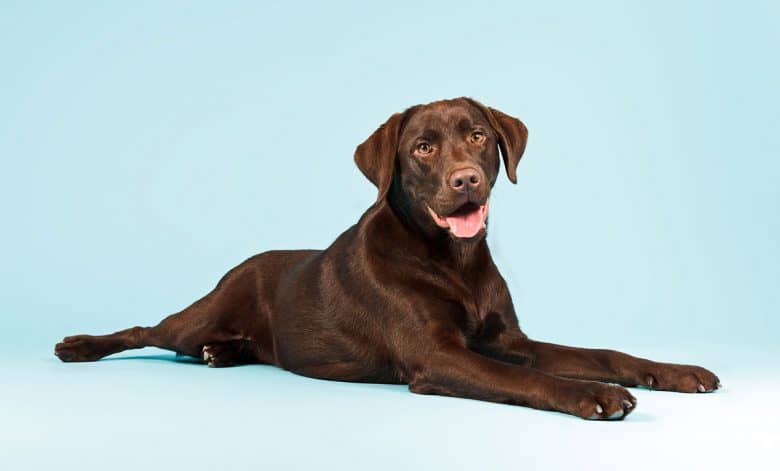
442, 160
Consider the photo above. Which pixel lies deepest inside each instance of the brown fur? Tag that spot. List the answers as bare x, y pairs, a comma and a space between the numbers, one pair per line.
397, 299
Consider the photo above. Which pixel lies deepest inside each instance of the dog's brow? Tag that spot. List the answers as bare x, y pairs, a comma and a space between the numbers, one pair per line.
464, 124
429, 134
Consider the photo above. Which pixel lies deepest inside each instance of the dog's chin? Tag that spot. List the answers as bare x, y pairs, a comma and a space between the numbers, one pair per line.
467, 223
469, 240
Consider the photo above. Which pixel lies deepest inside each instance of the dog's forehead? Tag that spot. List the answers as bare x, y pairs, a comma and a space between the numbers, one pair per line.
443, 115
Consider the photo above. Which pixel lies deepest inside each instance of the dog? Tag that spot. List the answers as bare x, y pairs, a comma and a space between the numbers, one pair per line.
409, 294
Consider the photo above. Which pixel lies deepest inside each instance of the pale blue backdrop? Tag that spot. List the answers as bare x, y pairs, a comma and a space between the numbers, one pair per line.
147, 147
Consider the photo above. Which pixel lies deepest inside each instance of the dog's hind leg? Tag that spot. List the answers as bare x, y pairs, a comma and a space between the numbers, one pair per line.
95, 347
227, 314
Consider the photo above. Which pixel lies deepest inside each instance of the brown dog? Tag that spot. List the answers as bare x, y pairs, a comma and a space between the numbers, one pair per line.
410, 293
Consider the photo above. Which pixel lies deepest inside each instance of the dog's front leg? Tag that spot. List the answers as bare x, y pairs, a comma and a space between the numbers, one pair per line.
458, 371
612, 366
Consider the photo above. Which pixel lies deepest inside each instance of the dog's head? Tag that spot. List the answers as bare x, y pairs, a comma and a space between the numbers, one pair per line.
437, 163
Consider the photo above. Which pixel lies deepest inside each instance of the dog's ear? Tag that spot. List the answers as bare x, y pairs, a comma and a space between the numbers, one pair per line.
376, 156
512, 137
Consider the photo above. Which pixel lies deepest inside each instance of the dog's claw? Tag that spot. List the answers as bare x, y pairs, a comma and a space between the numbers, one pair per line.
207, 356
628, 404
702, 388
599, 409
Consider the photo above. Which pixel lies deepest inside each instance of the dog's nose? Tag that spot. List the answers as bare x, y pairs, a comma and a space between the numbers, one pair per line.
464, 179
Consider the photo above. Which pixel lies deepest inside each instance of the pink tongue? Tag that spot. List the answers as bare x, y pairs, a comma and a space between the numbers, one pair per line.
467, 225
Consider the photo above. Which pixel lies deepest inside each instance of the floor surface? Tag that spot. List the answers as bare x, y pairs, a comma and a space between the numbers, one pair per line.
148, 410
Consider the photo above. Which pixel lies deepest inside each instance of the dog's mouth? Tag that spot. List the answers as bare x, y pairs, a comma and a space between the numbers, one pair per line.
465, 222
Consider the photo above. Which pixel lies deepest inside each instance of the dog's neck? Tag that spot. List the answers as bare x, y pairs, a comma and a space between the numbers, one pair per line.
423, 238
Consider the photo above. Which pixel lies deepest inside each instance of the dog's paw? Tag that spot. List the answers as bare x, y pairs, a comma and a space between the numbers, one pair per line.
80, 348
209, 356
678, 378
601, 401
217, 355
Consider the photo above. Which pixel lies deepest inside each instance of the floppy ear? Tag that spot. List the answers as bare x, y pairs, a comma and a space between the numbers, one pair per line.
512, 137
376, 156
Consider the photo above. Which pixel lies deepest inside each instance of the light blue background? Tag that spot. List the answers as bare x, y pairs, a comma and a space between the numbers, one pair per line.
147, 147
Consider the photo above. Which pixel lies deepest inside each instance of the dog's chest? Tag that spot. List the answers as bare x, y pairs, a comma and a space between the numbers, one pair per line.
471, 297
477, 316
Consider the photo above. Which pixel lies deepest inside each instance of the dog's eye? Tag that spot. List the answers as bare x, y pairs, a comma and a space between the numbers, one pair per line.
424, 148
478, 137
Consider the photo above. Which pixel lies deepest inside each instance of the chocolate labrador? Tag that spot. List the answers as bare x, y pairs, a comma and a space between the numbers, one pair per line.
409, 294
